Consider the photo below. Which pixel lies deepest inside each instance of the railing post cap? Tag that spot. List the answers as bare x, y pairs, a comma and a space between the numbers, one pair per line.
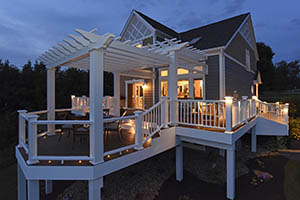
138, 112
287, 104
22, 111
254, 97
244, 97
228, 98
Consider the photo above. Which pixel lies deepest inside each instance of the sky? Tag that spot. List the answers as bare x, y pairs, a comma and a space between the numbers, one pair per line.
30, 27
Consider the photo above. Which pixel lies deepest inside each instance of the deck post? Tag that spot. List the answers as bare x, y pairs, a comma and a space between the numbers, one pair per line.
32, 139
95, 188
164, 112
245, 108
139, 130
21, 127
51, 99
228, 105
48, 186
230, 167
179, 159
286, 113
253, 139
21, 184
116, 93
172, 87
96, 105
33, 187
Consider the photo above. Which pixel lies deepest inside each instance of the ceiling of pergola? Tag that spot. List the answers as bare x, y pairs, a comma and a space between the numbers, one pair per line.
119, 56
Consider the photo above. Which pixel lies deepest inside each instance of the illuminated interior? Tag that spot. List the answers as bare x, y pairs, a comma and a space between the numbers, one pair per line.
164, 88
164, 73
181, 71
139, 45
183, 89
198, 89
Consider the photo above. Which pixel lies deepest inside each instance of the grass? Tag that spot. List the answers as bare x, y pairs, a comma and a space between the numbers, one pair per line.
292, 180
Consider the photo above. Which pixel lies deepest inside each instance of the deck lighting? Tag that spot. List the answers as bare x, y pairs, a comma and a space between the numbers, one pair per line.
108, 156
79, 161
49, 162
44, 137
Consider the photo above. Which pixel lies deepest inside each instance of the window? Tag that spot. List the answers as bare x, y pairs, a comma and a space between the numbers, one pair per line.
164, 88
164, 73
181, 71
198, 89
247, 59
183, 89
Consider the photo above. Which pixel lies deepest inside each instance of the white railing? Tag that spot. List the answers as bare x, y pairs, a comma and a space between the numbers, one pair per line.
30, 143
225, 114
202, 113
273, 111
81, 105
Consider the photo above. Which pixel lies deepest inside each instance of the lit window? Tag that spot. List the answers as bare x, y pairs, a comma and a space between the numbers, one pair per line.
164, 88
164, 73
183, 89
139, 45
181, 71
198, 88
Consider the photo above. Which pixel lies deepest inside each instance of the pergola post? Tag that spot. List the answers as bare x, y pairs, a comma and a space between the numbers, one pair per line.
172, 86
230, 168
253, 139
51, 99
48, 186
95, 189
179, 159
21, 184
96, 106
116, 93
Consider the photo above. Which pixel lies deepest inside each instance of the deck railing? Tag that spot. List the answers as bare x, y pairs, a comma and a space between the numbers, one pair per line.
225, 114
28, 135
273, 111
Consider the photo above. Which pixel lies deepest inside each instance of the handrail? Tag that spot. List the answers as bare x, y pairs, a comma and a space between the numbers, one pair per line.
113, 119
41, 122
71, 158
119, 150
151, 108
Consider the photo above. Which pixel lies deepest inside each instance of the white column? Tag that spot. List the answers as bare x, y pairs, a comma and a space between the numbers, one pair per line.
286, 113
230, 167
222, 75
179, 159
256, 90
153, 86
32, 139
191, 86
33, 187
22, 127
51, 99
21, 184
95, 189
116, 93
253, 139
172, 86
96, 106
139, 130
48, 186
164, 111
228, 105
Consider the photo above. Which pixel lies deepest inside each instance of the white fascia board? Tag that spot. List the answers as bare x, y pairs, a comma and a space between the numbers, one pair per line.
145, 22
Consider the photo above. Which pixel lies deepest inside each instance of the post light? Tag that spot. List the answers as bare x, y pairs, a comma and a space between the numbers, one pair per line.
228, 107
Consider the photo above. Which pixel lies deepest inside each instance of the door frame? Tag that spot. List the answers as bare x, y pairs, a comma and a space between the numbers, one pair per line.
133, 81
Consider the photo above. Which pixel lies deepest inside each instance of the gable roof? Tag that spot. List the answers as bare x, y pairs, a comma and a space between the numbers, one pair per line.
216, 34
158, 25
210, 36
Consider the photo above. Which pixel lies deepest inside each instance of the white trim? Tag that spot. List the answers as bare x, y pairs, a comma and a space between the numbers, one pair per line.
222, 87
239, 63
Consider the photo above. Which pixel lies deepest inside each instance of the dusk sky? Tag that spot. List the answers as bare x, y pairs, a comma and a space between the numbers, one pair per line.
28, 28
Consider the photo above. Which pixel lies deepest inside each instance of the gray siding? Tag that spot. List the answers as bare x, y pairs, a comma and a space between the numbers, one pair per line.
212, 88
237, 78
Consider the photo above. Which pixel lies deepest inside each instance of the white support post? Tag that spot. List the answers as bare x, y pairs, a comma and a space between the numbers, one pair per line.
256, 90
116, 93
286, 113
51, 99
95, 189
164, 111
21, 184
222, 91
244, 108
179, 159
139, 130
172, 87
22, 127
96, 105
48, 186
253, 139
230, 167
254, 105
191, 86
222, 152
33, 187
228, 105
32, 139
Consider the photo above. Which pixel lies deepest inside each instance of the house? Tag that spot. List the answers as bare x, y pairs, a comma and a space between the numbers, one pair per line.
199, 86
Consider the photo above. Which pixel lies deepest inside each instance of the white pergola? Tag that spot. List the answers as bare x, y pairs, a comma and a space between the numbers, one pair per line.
100, 53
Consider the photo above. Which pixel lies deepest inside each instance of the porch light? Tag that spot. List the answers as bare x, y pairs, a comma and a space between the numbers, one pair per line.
144, 86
